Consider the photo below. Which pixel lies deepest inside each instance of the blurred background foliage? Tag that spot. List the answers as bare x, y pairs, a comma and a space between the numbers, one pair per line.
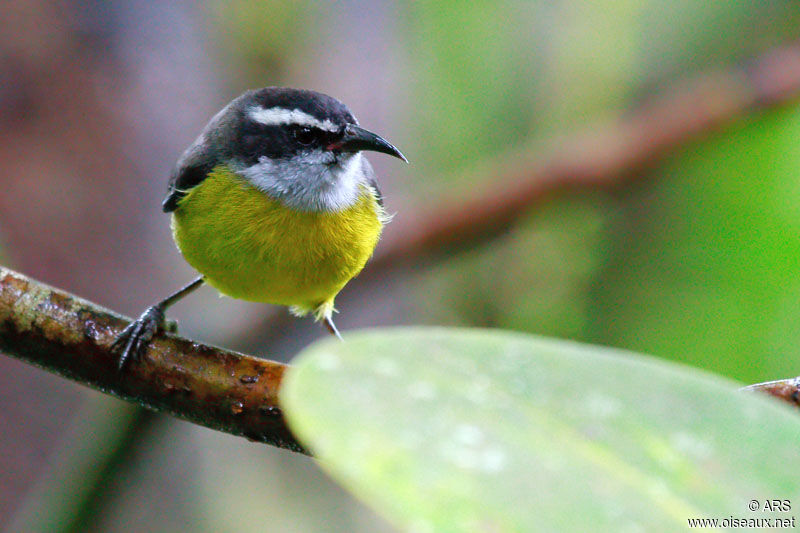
695, 261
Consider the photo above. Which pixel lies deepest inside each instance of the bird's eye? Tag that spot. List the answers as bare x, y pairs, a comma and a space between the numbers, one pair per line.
303, 135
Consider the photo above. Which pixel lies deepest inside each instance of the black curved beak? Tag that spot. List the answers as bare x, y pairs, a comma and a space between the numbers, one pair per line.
356, 139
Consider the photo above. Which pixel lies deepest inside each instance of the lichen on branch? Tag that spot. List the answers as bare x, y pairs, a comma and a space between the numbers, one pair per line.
216, 388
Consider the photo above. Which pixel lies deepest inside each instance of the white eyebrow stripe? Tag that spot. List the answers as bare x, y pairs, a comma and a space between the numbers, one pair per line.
275, 116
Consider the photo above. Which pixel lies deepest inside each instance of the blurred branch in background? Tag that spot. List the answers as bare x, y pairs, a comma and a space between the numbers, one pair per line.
103, 435
216, 388
604, 155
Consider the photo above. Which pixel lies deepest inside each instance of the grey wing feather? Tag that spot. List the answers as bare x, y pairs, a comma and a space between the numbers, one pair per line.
191, 169
203, 154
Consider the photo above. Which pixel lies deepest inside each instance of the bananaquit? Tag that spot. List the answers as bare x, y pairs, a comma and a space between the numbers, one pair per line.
274, 202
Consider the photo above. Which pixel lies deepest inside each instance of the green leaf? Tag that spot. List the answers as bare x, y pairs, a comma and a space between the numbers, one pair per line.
480, 430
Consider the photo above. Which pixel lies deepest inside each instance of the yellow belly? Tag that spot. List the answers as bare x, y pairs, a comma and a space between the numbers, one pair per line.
252, 247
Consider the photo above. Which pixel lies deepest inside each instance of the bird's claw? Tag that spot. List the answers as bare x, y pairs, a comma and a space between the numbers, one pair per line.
331, 327
133, 341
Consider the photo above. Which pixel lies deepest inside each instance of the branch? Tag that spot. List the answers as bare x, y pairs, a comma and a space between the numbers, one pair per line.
216, 388
787, 390
605, 155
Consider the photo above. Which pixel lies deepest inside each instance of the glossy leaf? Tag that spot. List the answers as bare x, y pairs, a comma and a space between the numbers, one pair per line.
481, 430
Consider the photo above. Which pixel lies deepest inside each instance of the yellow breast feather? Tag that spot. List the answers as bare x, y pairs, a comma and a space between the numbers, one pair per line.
252, 247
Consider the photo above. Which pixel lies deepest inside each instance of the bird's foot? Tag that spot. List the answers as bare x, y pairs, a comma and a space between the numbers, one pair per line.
132, 342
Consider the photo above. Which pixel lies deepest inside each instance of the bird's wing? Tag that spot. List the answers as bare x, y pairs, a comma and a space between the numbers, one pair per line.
191, 169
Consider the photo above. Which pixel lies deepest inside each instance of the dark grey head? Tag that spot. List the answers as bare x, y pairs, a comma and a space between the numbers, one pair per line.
300, 147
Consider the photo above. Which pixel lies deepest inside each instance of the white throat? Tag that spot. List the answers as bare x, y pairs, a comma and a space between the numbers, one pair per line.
310, 181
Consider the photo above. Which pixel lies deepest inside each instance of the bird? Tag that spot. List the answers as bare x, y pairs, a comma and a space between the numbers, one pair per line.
273, 202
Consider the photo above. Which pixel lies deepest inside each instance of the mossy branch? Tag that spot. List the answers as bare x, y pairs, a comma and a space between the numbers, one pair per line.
216, 388
787, 390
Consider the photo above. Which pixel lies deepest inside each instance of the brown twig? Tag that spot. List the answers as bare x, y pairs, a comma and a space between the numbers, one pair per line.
210, 386
787, 390
605, 155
